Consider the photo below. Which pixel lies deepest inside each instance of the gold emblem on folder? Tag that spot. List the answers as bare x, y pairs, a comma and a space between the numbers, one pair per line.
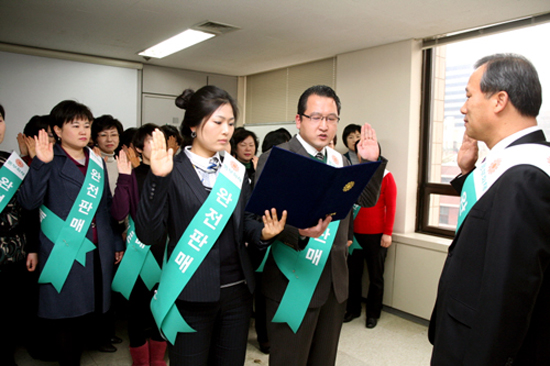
349, 186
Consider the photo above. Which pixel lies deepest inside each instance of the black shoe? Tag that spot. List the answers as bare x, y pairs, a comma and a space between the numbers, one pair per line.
116, 340
350, 316
106, 347
265, 347
371, 322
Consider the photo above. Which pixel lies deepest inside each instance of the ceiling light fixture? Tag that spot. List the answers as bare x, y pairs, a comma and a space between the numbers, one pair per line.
176, 43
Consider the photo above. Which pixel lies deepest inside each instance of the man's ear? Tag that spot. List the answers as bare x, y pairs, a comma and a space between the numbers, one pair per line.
501, 100
298, 121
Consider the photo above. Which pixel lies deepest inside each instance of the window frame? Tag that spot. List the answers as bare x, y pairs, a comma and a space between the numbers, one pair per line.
426, 188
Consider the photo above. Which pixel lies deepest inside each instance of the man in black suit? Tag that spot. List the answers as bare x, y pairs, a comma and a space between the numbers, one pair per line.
493, 303
316, 340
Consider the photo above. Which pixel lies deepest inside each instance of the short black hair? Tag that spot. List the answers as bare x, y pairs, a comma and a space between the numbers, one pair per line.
349, 130
105, 122
320, 90
240, 135
66, 112
142, 133
35, 124
515, 75
2, 112
274, 138
170, 130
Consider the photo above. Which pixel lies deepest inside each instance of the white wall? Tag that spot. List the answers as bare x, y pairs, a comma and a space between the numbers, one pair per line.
161, 86
33, 85
381, 86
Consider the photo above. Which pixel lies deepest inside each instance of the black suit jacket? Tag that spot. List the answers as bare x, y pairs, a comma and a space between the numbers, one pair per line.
336, 271
168, 204
493, 303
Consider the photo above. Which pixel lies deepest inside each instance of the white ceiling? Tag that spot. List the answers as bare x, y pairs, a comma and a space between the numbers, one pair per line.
273, 33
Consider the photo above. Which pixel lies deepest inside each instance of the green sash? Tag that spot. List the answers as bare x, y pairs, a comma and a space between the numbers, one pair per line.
12, 174
70, 235
355, 244
303, 268
193, 246
137, 261
483, 177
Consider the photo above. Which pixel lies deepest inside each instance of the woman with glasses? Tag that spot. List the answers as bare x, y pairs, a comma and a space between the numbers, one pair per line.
245, 145
106, 132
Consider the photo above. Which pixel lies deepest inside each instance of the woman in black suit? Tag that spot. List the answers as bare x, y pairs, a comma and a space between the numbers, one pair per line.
215, 299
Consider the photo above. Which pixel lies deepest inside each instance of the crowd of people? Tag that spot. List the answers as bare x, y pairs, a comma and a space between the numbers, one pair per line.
155, 216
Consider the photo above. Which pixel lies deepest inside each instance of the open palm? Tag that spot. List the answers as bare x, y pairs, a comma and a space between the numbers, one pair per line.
162, 160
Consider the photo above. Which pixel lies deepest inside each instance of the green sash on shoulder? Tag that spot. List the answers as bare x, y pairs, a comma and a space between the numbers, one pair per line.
137, 261
70, 235
12, 174
483, 177
193, 246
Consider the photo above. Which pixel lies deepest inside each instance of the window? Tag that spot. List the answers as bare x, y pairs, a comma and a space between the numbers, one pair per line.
447, 69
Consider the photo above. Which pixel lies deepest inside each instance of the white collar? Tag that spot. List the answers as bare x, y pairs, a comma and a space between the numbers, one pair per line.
310, 149
200, 161
505, 142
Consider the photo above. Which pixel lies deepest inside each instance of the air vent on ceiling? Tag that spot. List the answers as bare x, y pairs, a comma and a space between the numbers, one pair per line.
216, 28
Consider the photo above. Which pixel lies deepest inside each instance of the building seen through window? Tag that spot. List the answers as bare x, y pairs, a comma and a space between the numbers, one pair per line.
450, 67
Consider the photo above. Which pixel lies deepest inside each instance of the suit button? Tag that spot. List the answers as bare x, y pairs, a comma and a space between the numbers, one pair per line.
153, 185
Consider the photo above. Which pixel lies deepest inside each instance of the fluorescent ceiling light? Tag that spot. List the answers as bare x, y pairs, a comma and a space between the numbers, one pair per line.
177, 43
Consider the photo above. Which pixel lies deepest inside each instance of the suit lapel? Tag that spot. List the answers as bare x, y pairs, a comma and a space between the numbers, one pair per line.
188, 174
295, 146
69, 171
530, 138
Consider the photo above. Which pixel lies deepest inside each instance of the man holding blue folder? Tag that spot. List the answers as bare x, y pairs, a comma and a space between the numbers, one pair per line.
306, 275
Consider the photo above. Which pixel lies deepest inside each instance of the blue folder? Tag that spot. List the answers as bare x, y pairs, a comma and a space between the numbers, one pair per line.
307, 188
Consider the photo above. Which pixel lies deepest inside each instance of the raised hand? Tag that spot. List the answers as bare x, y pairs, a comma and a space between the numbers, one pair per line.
368, 147
22, 146
131, 155
161, 160
123, 164
173, 143
29, 141
272, 225
467, 154
43, 147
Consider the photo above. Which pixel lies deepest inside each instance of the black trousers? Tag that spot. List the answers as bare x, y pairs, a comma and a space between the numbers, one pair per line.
221, 330
260, 321
375, 256
141, 324
17, 305
316, 341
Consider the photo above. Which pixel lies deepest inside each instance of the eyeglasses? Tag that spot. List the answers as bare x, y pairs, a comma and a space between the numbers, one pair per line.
105, 135
317, 118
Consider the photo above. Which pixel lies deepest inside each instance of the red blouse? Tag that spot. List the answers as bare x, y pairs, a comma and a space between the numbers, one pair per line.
381, 217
